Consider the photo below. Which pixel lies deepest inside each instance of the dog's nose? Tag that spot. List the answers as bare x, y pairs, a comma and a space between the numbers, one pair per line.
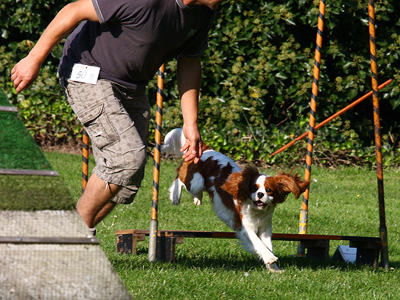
260, 195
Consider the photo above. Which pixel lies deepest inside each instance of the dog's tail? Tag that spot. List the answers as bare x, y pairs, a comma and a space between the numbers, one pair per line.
173, 142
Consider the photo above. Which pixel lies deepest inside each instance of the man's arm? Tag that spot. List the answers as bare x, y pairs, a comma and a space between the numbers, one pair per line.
189, 81
27, 70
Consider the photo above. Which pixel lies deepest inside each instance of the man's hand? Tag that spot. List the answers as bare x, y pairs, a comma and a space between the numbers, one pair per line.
192, 144
24, 73
27, 70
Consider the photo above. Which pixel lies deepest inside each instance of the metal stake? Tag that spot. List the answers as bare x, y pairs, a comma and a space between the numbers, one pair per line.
85, 159
156, 169
377, 132
359, 100
304, 207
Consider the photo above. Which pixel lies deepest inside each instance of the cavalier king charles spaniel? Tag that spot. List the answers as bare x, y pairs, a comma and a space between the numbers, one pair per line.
243, 199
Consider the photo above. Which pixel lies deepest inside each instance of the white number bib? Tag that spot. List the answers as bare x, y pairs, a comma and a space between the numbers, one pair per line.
83, 73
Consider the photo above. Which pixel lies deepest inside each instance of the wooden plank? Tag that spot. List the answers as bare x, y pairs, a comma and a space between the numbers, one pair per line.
126, 243
275, 236
300, 237
198, 234
133, 231
48, 240
8, 108
28, 172
317, 245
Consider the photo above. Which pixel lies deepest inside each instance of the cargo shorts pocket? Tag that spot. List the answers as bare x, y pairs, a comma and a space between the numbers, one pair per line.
99, 127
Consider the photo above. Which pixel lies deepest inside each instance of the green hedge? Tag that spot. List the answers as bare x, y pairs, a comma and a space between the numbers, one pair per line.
256, 81
42, 107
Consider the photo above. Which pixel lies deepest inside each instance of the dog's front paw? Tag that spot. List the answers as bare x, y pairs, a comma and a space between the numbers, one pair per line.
273, 268
271, 260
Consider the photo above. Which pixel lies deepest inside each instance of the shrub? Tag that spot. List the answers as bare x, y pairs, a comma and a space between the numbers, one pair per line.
256, 81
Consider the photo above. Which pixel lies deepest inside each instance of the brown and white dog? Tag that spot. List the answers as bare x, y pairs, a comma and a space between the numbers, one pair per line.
243, 199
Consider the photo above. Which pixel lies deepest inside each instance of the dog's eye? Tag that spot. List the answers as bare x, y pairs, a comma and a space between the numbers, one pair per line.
254, 188
269, 191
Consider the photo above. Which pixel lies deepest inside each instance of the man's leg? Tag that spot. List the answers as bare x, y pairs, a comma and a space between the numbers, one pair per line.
107, 208
119, 137
95, 204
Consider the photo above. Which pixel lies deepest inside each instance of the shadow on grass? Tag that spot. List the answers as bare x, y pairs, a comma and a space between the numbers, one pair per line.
284, 262
243, 262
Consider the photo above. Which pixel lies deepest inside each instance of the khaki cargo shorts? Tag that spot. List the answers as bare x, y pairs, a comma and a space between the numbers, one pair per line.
117, 122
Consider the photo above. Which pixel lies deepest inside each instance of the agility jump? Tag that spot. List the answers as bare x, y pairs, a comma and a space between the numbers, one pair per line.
162, 242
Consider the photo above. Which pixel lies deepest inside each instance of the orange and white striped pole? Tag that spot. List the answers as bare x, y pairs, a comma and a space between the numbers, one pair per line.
313, 105
156, 170
335, 115
85, 159
377, 133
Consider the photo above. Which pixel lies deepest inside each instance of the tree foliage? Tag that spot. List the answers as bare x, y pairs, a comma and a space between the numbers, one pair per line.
257, 77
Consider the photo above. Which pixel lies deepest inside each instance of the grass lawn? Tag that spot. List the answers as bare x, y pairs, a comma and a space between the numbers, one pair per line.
29, 193
342, 201
18, 149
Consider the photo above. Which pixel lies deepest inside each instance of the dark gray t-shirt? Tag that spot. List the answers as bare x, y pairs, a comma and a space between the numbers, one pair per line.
135, 37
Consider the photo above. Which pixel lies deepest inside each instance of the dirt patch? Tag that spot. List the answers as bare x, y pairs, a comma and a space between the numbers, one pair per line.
71, 147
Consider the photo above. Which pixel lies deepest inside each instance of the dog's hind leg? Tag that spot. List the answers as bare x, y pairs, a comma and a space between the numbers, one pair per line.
175, 191
197, 199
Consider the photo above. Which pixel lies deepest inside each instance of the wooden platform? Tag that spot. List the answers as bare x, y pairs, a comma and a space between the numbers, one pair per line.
317, 246
29, 172
50, 254
8, 108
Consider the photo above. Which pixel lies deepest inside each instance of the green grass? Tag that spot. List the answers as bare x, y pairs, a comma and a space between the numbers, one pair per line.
18, 150
29, 193
342, 201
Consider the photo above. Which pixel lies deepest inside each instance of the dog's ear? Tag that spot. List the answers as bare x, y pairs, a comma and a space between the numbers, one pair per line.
289, 183
231, 185
249, 176
238, 184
